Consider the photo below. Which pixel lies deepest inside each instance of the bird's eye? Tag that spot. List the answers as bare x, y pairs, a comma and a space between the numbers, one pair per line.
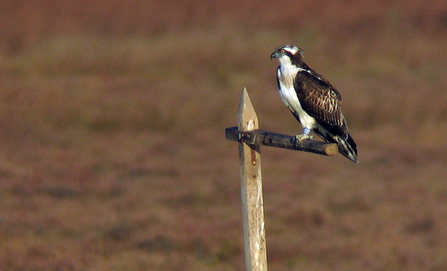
283, 51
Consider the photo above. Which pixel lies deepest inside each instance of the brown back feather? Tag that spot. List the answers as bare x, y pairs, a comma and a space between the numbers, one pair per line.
320, 100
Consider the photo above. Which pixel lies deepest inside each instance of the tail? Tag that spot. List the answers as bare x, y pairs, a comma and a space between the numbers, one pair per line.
347, 148
336, 134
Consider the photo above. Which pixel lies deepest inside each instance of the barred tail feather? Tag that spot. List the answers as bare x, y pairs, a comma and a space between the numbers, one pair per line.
347, 148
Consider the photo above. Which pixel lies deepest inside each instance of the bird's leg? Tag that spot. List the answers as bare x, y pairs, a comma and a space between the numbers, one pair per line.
305, 136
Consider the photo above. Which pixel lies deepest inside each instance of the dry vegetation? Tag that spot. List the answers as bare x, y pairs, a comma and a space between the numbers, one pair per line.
113, 156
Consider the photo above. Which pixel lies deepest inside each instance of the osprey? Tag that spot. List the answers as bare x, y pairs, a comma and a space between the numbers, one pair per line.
312, 100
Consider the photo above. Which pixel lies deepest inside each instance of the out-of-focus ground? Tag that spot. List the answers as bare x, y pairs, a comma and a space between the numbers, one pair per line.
112, 147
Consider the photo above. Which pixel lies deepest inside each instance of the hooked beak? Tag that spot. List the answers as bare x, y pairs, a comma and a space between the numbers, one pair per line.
274, 55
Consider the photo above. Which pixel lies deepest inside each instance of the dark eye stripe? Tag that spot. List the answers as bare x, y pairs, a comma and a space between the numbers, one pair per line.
289, 54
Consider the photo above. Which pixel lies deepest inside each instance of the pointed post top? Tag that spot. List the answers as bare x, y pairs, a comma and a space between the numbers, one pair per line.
247, 118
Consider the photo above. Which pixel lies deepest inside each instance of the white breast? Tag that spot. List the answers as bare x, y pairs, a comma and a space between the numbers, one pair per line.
288, 95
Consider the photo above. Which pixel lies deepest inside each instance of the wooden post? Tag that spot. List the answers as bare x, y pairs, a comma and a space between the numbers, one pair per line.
251, 190
250, 138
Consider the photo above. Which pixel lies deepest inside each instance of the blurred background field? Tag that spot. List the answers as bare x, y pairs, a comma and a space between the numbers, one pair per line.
112, 146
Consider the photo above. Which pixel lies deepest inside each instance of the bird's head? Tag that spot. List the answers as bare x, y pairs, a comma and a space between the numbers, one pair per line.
288, 54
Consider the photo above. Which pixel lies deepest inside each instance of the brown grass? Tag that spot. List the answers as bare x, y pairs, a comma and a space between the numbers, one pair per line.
113, 154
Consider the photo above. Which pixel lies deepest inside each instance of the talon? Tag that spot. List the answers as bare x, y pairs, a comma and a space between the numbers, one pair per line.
299, 138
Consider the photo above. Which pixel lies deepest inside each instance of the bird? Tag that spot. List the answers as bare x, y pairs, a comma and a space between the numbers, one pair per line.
312, 99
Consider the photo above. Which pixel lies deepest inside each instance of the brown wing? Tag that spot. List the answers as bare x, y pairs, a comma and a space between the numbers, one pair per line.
320, 99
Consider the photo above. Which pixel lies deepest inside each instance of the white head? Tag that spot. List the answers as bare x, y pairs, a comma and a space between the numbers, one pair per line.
288, 55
